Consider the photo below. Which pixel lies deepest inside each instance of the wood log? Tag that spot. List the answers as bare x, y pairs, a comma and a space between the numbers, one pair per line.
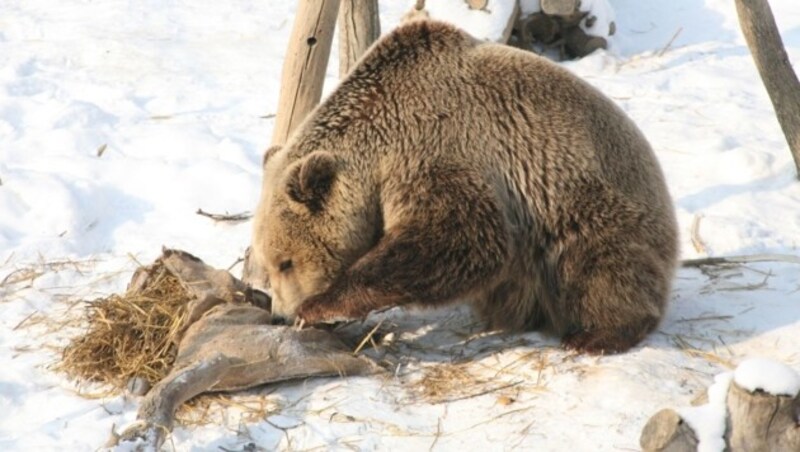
477, 4
560, 7
578, 44
762, 422
305, 64
761, 33
542, 28
359, 27
667, 432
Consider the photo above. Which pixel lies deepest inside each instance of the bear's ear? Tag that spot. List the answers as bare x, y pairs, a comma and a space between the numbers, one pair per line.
310, 180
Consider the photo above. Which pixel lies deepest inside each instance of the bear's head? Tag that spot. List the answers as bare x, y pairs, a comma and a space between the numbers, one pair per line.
315, 218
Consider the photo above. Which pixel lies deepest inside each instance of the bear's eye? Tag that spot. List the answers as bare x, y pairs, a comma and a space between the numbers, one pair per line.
285, 265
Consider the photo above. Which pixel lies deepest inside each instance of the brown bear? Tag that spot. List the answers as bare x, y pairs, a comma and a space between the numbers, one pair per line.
446, 169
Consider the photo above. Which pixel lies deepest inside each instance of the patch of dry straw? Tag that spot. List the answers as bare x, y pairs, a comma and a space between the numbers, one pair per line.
130, 335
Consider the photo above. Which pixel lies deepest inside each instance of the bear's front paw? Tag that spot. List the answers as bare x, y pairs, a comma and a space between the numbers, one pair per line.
322, 308
599, 342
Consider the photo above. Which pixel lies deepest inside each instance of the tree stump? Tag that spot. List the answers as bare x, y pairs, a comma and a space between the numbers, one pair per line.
305, 64
762, 422
560, 7
761, 33
359, 27
758, 415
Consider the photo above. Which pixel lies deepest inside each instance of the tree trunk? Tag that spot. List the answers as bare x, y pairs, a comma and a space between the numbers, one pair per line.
359, 27
761, 33
304, 67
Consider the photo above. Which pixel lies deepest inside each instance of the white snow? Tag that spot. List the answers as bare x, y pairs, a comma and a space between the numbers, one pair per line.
487, 24
180, 93
527, 7
768, 375
708, 421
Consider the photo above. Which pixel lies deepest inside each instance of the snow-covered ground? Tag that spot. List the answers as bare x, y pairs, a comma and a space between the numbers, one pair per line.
118, 120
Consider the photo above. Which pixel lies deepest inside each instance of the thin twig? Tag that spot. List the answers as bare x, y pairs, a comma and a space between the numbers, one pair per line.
438, 434
22, 322
675, 36
790, 258
238, 260
482, 393
697, 242
233, 218
367, 337
755, 286
706, 318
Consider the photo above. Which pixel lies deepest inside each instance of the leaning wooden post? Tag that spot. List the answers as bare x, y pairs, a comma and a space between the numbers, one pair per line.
305, 64
761, 33
359, 27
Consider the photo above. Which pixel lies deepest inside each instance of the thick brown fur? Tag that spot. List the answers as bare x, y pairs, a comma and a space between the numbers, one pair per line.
446, 169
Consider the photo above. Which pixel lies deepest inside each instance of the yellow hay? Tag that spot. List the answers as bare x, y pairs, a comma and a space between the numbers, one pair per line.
130, 335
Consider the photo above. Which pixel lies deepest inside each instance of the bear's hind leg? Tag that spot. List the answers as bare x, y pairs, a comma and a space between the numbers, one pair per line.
611, 296
510, 306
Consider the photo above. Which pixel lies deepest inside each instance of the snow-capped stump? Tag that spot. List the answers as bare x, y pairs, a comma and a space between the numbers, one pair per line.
764, 407
756, 408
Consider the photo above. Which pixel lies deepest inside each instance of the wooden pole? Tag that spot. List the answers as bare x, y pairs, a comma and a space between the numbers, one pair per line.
304, 66
359, 27
761, 33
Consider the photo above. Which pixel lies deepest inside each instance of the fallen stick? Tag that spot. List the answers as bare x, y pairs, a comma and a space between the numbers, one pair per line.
789, 258
669, 43
697, 242
234, 218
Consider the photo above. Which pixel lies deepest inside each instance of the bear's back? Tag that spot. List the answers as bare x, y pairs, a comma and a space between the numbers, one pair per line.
429, 91
567, 128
